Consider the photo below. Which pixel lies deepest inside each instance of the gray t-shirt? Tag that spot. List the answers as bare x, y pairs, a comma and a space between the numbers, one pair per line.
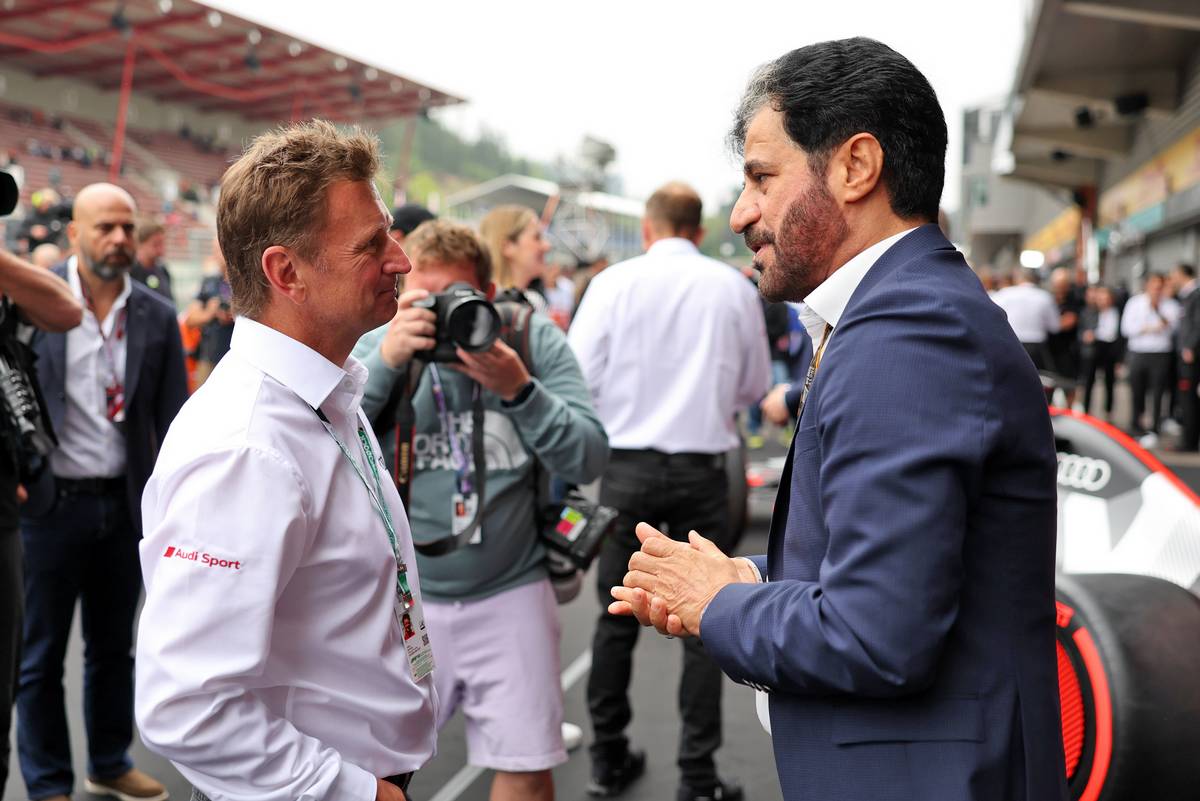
556, 425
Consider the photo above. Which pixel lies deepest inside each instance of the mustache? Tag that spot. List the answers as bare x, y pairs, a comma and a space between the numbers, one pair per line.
757, 237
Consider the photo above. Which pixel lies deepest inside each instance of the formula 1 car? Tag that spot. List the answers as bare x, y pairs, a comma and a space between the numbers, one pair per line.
1128, 617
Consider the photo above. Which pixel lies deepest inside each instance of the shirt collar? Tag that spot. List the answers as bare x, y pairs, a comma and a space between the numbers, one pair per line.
74, 282
827, 302
672, 245
319, 382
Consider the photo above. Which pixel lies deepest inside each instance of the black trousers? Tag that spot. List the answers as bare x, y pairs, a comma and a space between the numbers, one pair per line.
682, 492
1149, 373
11, 605
1099, 357
1189, 405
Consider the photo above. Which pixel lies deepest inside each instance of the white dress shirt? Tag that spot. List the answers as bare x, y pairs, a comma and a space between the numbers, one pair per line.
1149, 330
89, 444
826, 304
1031, 311
270, 666
672, 344
1108, 325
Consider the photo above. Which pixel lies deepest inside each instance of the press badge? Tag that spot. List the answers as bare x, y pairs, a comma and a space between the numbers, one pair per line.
416, 637
462, 512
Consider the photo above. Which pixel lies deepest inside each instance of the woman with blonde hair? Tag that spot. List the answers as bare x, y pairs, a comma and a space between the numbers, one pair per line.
513, 235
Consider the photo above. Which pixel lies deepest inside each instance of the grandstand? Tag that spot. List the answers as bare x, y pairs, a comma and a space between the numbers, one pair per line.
159, 95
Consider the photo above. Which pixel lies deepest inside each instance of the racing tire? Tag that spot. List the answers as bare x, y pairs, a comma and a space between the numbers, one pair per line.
1129, 686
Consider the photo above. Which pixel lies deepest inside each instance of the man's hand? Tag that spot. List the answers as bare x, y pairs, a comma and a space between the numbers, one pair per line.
386, 791
1188, 355
670, 584
411, 330
774, 405
499, 370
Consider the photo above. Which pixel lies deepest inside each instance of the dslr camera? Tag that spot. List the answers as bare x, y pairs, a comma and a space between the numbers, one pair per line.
465, 319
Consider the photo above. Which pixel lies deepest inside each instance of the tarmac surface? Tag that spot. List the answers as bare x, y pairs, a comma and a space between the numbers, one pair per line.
746, 756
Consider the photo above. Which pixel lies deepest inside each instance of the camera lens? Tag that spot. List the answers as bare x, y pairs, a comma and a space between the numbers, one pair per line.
474, 325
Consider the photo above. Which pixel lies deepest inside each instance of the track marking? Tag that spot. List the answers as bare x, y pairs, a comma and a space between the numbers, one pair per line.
465, 777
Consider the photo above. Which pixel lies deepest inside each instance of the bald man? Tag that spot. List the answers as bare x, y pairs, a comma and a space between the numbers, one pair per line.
112, 386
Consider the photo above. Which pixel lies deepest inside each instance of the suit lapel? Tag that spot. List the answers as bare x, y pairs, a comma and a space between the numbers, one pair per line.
135, 345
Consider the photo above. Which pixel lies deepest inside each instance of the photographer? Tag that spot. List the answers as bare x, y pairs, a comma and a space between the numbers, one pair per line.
28, 295
211, 313
490, 607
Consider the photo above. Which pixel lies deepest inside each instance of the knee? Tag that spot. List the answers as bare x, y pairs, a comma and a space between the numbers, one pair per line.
531, 784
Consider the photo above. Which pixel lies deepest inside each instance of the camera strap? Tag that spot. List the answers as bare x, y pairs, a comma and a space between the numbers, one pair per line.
406, 425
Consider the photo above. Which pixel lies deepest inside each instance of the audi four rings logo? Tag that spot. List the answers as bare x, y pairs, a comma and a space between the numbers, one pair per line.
1083, 472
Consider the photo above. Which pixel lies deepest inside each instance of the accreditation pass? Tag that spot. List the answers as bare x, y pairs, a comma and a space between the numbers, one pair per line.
416, 636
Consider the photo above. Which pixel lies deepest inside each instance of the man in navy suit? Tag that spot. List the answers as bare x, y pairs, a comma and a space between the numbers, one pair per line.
112, 387
901, 624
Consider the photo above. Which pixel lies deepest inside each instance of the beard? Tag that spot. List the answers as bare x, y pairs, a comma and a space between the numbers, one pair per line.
812, 230
109, 267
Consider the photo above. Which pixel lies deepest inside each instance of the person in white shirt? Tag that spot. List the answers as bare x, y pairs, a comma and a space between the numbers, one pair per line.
282, 652
1148, 323
672, 344
1033, 315
1100, 344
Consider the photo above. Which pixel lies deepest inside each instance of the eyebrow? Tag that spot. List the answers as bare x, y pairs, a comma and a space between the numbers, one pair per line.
752, 165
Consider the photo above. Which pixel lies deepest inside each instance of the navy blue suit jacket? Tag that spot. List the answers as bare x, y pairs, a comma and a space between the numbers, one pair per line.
155, 389
906, 631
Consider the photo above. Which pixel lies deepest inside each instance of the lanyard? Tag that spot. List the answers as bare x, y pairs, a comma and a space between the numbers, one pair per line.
456, 451
812, 369
403, 591
114, 390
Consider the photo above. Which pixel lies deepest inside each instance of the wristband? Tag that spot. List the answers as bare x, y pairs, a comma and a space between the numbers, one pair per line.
520, 397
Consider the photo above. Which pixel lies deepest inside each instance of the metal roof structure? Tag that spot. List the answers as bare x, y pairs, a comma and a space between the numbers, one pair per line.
182, 51
1090, 70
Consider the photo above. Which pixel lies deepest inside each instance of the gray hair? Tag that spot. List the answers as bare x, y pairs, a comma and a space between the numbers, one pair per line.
759, 92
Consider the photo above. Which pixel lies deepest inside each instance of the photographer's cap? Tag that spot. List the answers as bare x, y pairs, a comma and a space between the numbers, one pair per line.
406, 218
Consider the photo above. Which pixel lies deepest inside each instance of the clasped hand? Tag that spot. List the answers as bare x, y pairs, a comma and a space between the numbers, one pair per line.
670, 583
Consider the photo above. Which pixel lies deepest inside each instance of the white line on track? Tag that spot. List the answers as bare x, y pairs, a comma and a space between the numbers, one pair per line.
459, 783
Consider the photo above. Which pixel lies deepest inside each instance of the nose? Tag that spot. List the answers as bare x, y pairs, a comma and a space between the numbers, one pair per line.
396, 261
745, 213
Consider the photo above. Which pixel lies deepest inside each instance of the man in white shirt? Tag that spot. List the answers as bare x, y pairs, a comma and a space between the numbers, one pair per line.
1033, 315
672, 344
112, 386
1148, 323
282, 652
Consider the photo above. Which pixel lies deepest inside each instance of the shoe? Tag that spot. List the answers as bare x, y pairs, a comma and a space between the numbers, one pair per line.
1148, 440
609, 780
572, 736
755, 441
132, 785
722, 791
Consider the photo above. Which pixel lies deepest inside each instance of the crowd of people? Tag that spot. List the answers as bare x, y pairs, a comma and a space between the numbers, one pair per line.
343, 531
1089, 335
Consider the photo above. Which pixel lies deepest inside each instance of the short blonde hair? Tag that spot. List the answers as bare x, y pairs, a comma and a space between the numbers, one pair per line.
275, 195
449, 243
504, 224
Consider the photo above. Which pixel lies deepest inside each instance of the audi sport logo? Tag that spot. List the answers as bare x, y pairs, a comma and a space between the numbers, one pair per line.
1083, 472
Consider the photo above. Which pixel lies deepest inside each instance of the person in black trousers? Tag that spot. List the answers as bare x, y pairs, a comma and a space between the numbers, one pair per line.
1187, 346
1100, 345
28, 295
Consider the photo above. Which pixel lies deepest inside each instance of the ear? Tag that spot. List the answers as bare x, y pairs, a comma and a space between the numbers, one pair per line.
647, 234
72, 232
282, 273
856, 168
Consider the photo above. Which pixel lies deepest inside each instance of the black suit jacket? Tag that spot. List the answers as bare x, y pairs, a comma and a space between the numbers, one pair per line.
155, 389
1188, 332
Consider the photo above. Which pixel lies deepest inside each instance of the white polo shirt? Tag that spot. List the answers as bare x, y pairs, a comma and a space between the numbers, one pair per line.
270, 666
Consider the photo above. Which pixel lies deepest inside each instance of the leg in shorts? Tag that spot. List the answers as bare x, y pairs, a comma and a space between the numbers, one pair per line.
497, 660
